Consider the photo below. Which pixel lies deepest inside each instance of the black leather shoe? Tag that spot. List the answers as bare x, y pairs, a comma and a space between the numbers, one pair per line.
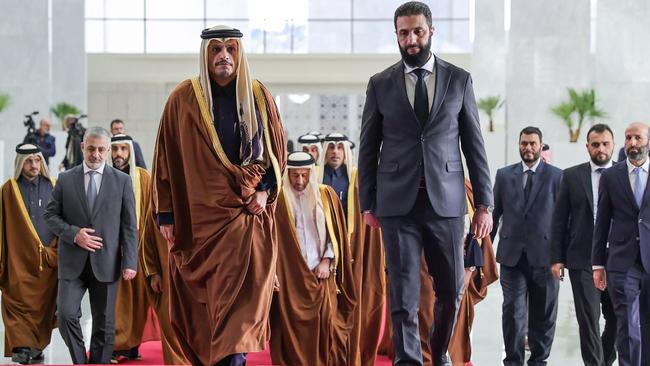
442, 361
21, 355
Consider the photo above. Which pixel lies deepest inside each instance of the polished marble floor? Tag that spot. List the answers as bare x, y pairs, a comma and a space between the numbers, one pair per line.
487, 339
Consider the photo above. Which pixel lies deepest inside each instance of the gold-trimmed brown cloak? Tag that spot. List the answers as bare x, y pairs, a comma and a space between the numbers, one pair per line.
311, 319
460, 346
155, 261
132, 300
367, 249
222, 265
28, 277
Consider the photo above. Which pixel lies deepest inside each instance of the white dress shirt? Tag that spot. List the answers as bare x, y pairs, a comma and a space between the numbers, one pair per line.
595, 182
307, 233
97, 177
526, 168
429, 80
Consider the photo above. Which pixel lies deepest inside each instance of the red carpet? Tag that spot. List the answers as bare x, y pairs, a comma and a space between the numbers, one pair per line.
152, 355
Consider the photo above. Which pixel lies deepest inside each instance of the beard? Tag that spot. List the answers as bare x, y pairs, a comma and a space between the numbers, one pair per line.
601, 159
535, 157
120, 163
637, 153
417, 59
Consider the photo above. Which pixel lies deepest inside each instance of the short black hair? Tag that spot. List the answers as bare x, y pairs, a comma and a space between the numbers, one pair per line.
531, 130
413, 8
116, 120
599, 128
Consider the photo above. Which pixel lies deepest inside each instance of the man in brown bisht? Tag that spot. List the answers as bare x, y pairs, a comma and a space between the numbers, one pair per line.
477, 281
132, 302
313, 311
220, 148
28, 259
339, 171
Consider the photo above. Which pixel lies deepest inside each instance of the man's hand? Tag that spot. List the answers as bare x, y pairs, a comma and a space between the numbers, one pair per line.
167, 232
276, 284
128, 274
481, 223
558, 271
600, 279
322, 271
257, 202
371, 220
156, 283
84, 240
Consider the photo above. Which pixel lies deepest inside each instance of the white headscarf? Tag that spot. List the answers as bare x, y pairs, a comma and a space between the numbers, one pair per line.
252, 144
309, 140
302, 160
333, 139
23, 152
133, 170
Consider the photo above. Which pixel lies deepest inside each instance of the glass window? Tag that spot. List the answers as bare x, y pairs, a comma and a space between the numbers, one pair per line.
174, 9
124, 9
174, 36
227, 9
329, 37
124, 36
372, 36
332, 9
451, 37
375, 9
94, 8
94, 36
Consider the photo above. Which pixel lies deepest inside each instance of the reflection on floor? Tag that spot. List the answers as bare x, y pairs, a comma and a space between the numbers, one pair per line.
487, 339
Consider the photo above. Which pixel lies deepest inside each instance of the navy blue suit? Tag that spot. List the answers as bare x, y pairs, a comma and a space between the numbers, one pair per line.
626, 227
529, 288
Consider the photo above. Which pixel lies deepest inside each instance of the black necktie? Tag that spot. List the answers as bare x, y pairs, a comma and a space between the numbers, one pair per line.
421, 100
529, 184
599, 170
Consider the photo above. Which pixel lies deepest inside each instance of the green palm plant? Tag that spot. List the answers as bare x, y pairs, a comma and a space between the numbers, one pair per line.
4, 101
489, 105
583, 105
62, 109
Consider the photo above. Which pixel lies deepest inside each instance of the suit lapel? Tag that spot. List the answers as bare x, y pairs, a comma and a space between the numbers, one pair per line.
624, 180
80, 188
585, 177
398, 78
517, 182
538, 179
443, 76
104, 189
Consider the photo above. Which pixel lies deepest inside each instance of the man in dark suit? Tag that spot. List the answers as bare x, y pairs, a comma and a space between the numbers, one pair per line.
623, 220
418, 113
93, 212
524, 197
573, 226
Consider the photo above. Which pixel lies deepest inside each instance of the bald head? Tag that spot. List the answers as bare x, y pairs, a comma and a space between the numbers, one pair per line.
637, 137
45, 125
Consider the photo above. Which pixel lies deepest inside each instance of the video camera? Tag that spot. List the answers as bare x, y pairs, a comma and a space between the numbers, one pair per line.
75, 127
30, 137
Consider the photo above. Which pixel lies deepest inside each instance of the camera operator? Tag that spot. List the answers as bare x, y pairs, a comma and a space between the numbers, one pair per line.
73, 154
43, 139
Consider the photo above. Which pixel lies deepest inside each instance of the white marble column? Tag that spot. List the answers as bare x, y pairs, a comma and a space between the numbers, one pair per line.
69, 53
25, 65
622, 63
548, 51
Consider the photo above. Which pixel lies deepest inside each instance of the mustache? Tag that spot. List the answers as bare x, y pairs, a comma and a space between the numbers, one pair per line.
223, 62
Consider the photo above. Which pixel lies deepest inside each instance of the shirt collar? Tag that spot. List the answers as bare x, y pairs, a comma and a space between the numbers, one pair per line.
630, 166
595, 167
427, 66
226, 90
99, 170
533, 168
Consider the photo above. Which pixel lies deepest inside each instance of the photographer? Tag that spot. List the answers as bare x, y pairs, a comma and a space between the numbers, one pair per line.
43, 139
76, 130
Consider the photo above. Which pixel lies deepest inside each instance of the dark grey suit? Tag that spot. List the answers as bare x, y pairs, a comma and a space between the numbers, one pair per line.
572, 234
398, 156
529, 288
626, 227
113, 219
